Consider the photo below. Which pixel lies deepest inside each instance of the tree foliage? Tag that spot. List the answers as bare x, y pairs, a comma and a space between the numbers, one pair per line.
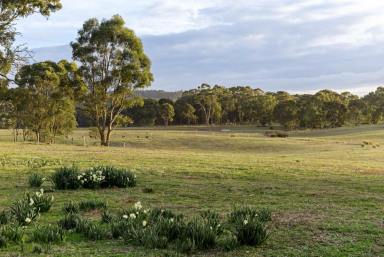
113, 65
10, 12
44, 102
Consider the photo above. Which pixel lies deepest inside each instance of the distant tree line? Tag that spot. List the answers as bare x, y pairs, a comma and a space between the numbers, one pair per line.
244, 105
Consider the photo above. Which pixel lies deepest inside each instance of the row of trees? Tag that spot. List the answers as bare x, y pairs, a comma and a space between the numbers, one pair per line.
239, 105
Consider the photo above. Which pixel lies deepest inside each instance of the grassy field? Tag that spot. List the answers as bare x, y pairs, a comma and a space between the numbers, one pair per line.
325, 190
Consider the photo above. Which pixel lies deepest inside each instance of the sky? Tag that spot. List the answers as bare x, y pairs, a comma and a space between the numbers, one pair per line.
300, 46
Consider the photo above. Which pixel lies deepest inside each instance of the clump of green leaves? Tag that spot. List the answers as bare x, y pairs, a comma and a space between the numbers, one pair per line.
24, 211
12, 233
115, 177
4, 217
91, 179
197, 235
92, 230
96, 177
250, 225
41, 201
69, 222
36, 180
27, 209
162, 229
93, 204
106, 217
71, 207
48, 234
66, 178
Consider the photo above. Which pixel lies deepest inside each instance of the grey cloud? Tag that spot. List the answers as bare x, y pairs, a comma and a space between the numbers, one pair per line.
275, 53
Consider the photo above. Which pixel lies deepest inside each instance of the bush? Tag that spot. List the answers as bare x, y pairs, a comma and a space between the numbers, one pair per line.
93, 204
70, 207
49, 234
114, 177
66, 178
36, 180
249, 225
69, 222
4, 217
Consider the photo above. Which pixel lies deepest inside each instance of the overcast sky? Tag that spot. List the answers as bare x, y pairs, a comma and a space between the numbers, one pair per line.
293, 45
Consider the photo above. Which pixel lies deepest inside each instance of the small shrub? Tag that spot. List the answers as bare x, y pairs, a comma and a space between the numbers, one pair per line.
93, 204
4, 217
69, 222
49, 234
36, 180
71, 207
12, 233
66, 178
249, 225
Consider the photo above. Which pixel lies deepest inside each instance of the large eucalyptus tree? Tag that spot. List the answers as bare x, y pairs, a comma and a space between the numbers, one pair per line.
114, 65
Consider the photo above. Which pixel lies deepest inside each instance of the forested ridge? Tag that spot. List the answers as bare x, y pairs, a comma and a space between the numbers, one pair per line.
241, 105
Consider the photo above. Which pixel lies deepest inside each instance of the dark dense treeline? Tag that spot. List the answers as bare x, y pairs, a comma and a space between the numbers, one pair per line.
241, 105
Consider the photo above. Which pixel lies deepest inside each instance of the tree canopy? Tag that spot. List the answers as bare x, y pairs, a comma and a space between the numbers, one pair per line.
113, 65
10, 11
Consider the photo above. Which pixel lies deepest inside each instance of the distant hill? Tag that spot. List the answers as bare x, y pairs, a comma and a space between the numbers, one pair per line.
159, 94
